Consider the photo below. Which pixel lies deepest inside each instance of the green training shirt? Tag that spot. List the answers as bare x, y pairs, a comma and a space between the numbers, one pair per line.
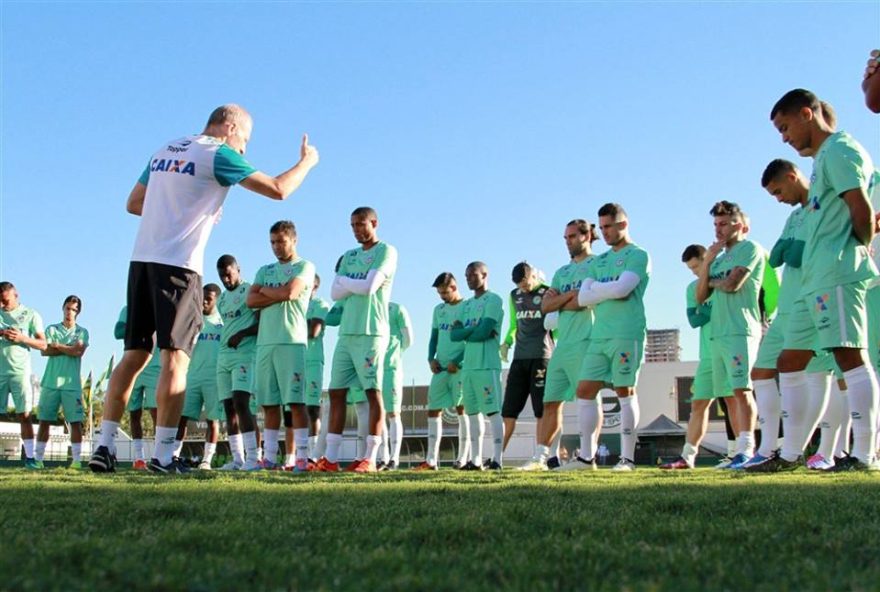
285, 322
483, 355
574, 325
15, 358
442, 319
738, 313
621, 318
236, 316
367, 314
63, 372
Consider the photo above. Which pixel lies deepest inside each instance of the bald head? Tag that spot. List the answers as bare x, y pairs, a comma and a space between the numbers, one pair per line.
230, 124
231, 113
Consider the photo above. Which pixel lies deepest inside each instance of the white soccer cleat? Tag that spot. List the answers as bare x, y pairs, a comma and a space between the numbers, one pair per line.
205, 466
252, 465
579, 464
534, 465
624, 465
231, 466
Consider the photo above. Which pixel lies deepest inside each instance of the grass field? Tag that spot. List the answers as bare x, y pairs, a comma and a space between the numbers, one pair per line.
701, 530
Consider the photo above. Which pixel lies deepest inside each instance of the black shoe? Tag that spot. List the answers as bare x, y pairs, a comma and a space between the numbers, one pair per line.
486, 463
102, 461
380, 465
775, 464
175, 467
458, 466
494, 466
553, 462
389, 466
470, 466
849, 463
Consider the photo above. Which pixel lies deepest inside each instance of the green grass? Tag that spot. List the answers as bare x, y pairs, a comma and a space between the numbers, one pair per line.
701, 530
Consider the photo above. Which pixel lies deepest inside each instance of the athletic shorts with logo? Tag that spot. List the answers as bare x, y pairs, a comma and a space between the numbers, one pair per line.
234, 373
19, 386
314, 383
563, 372
526, 377
481, 391
617, 361
357, 361
445, 390
202, 394
69, 399
732, 361
839, 316
280, 374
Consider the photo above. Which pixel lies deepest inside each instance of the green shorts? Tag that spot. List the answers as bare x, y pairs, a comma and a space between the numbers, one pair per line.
872, 300
619, 358
280, 374
314, 383
732, 358
234, 373
822, 362
202, 393
840, 315
355, 395
444, 391
800, 333
704, 387
357, 360
772, 343
68, 399
482, 392
392, 388
563, 371
19, 386
143, 395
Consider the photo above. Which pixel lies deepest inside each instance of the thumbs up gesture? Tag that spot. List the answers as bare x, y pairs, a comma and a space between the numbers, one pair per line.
308, 154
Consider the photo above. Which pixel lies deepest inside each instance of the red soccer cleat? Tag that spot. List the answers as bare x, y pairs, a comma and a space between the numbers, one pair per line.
364, 466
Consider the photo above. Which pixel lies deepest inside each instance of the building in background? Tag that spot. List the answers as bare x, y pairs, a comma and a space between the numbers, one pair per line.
662, 346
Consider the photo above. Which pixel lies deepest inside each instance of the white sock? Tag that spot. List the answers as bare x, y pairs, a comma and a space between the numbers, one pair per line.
861, 384
178, 448
590, 421
845, 437
769, 404
362, 410
313, 445
689, 453
373, 444
76, 451
321, 447
250, 445
39, 451
554, 444
835, 412
819, 390
301, 446
497, 423
435, 430
210, 450
396, 437
731, 448
542, 453
108, 434
138, 449
794, 389
464, 439
385, 448
746, 443
236, 448
476, 433
164, 450
270, 445
629, 423
334, 441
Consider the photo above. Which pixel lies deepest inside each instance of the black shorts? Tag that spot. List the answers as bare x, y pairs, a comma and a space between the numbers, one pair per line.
165, 304
524, 377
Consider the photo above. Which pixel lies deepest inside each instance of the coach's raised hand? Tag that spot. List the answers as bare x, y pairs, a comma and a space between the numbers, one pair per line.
308, 154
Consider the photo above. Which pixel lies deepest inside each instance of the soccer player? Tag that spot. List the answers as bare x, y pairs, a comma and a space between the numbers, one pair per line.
201, 380
837, 267
534, 346
281, 292
235, 362
66, 342
143, 393
703, 389
574, 326
445, 359
733, 279
479, 328
21, 329
400, 338
316, 316
364, 282
179, 197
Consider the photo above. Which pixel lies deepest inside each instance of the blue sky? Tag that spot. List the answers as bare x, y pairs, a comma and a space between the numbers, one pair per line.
475, 129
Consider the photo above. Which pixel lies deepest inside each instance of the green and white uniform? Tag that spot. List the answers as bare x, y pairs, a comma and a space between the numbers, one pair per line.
836, 267
235, 365
15, 358
364, 328
62, 383
445, 388
318, 309
392, 381
201, 378
283, 335
736, 317
572, 335
481, 365
700, 316
617, 341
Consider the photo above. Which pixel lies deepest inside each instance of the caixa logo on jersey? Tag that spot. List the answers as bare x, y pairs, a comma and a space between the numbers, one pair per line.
171, 165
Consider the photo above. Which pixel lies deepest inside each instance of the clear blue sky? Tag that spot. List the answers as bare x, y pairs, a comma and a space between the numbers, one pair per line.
476, 130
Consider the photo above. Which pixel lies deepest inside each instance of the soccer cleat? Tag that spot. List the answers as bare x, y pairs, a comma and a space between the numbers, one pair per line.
352, 465
364, 466
389, 466
851, 463
579, 464
470, 466
33, 464
738, 461
756, 460
205, 466
774, 464
268, 465
459, 464
817, 462
724, 462
102, 461
139, 465
624, 464
494, 466
231, 466
325, 466
252, 465
381, 465
553, 463
175, 467
535, 464
677, 464
425, 467
76, 465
